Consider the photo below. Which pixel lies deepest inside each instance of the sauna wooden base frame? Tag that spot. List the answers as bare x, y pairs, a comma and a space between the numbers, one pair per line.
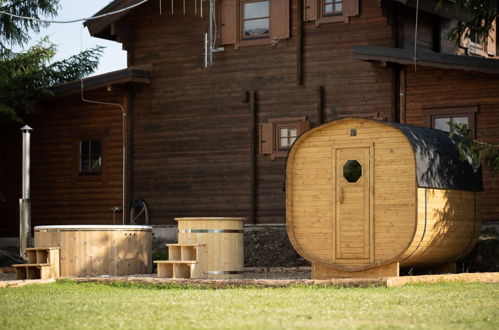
43, 263
320, 272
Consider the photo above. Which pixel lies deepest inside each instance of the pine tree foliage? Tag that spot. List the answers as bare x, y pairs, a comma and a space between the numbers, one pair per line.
25, 77
479, 153
15, 31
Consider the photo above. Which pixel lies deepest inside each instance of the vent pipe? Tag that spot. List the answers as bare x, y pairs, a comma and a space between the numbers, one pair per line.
24, 202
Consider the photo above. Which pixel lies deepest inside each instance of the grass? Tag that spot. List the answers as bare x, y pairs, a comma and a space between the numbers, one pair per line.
68, 305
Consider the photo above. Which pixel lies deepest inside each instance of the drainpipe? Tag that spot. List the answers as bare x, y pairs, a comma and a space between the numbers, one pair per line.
24, 202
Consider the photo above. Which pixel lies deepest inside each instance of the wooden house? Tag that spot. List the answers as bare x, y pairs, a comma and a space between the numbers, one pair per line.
209, 135
366, 196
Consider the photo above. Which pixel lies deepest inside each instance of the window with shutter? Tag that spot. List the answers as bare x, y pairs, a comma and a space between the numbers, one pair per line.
253, 22
278, 135
329, 11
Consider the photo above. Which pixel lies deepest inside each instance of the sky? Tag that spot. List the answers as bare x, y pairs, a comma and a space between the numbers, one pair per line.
68, 36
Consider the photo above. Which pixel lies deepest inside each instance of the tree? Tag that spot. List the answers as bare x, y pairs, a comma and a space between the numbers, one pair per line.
25, 77
479, 153
481, 15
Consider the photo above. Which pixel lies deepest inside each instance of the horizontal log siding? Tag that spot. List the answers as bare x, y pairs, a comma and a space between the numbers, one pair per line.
10, 179
429, 88
192, 133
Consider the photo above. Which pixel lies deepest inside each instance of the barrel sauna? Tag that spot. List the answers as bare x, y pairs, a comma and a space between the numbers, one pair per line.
90, 250
365, 197
223, 244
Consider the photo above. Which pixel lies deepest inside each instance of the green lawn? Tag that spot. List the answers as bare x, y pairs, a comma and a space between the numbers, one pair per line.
67, 305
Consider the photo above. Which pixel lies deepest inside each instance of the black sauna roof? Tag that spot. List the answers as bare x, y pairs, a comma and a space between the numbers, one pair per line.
438, 163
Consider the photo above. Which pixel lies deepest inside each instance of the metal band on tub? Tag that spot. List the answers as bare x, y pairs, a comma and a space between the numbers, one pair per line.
201, 231
223, 272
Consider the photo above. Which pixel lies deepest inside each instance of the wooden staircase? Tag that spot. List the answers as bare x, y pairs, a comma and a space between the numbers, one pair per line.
185, 261
42, 263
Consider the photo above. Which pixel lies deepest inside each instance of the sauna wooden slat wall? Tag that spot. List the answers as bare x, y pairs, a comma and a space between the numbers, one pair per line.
448, 227
311, 198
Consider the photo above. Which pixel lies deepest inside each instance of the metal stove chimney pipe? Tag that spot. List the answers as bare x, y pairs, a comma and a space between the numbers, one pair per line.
24, 202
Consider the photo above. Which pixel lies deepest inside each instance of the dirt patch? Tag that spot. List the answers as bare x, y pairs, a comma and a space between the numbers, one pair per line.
270, 247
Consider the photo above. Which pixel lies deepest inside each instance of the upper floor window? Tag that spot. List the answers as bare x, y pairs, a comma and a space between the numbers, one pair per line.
332, 7
255, 19
90, 157
253, 22
330, 11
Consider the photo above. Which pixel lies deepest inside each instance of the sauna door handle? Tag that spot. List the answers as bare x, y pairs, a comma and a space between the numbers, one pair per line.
341, 197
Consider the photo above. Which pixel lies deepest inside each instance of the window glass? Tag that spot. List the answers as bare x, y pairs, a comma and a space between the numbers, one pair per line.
84, 147
90, 158
443, 123
256, 9
256, 27
352, 171
287, 137
331, 7
256, 19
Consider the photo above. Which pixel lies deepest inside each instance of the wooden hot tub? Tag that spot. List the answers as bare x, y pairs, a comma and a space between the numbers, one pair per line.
89, 250
223, 241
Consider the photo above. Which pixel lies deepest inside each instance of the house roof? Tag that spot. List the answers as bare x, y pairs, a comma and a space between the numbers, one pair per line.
438, 162
129, 75
97, 27
426, 58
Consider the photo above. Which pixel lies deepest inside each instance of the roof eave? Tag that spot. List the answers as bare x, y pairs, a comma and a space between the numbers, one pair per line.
405, 56
125, 76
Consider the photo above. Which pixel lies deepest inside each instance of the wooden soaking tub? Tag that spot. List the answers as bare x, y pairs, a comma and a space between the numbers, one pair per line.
365, 197
223, 244
89, 250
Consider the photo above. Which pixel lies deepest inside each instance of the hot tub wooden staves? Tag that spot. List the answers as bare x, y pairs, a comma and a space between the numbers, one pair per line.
365, 197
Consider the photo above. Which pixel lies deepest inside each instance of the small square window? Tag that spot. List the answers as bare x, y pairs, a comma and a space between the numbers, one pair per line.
287, 136
279, 134
90, 157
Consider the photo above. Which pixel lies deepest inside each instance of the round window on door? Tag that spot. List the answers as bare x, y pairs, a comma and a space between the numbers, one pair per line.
352, 171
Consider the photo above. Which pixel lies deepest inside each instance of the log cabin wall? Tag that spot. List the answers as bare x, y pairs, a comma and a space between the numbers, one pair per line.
10, 179
432, 90
196, 131
59, 196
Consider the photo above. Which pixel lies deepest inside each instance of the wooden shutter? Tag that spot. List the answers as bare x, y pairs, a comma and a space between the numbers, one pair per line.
350, 8
266, 139
491, 40
303, 127
228, 19
310, 10
279, 19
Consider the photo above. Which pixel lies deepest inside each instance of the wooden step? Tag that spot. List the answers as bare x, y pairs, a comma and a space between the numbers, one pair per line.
43, 263
178, 269
187, 252
32, 271
187, 262
29, 265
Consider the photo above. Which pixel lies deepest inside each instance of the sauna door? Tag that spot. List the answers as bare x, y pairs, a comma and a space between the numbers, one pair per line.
353, 209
